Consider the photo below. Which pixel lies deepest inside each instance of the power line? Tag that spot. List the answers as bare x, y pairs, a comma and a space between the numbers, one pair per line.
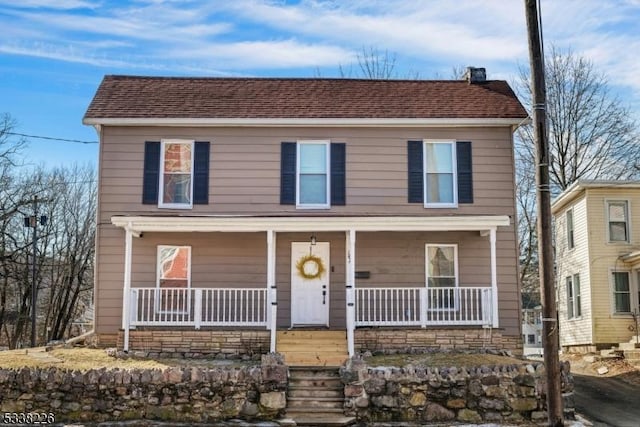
51, 138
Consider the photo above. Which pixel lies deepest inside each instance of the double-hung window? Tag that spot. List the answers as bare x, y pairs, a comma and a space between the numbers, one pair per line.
621, 292
176, 178
442, 276
440, 188
313, 177
618, 220
174, 278
440, 173
571, 243
574, 303
176, 173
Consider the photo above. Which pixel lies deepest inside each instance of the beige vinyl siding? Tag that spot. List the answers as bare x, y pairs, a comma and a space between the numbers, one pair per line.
245, 179
578, 330
605, 257
238, 260
245, 169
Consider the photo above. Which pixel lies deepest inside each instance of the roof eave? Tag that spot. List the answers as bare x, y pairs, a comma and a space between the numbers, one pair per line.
306, 122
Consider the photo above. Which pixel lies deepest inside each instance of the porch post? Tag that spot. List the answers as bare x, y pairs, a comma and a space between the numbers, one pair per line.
272, 297
350, 272
126, 292
494, 279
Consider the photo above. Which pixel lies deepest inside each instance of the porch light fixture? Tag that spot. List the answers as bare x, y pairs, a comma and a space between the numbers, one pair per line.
313, 239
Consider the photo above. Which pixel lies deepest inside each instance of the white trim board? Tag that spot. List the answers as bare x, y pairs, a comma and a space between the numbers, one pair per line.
236, 224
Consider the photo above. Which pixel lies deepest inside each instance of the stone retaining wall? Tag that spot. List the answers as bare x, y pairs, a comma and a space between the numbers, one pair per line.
184, 394
375, 339
487, 394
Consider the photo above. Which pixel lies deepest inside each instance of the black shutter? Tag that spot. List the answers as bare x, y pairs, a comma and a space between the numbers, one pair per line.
416, 171
465, 172
151, 173
201, 173
338, 179
288, 154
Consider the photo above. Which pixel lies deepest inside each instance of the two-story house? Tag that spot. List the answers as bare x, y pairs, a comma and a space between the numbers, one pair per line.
598, 263
233, 210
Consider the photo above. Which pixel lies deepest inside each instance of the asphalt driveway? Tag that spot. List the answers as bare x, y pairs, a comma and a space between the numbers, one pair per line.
607, 401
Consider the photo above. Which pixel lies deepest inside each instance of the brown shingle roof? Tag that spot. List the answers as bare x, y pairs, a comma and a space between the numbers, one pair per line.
267, 98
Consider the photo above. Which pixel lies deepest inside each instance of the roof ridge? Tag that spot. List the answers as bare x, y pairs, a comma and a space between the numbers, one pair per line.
293, 78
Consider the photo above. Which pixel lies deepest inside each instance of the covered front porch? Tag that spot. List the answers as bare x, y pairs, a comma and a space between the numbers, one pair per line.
348, 298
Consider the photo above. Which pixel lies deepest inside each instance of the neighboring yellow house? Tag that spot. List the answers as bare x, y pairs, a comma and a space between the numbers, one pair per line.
597, 228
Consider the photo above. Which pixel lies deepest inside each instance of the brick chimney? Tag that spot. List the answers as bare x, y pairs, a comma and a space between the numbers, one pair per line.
475, 75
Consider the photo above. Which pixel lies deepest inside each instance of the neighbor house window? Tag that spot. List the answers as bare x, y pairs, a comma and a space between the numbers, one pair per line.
574, 303
174, 278
313, 174
621, 292
176, 175
618, 221
570, 236
440, 189
531, 339
442, 272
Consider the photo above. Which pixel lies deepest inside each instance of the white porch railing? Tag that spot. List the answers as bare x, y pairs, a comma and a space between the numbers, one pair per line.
423, 306
198, 307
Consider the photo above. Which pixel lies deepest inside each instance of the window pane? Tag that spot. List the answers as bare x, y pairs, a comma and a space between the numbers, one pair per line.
174, 266
618, 231
177, 158
442, 282
617, 212
439, 158
439, 188
313, 158
313, 189
441, 261
623, 305
570, 241
177, 189
621, 281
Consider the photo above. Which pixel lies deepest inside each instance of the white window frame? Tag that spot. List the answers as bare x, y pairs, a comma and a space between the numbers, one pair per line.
454, 169
627, 203
327, 205
163, 144
570, 230
574, 304
158, 278
456, 295
612, 285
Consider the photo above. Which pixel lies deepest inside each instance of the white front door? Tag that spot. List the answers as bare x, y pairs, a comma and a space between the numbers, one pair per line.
310, 266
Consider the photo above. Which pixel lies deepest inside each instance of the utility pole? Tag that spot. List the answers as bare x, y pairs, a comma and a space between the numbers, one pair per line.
32, 222
543, 196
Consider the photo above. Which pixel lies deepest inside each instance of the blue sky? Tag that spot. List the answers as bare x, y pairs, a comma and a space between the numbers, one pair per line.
53, 53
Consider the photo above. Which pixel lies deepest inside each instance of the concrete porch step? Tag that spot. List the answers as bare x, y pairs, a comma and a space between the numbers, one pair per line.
628, 346
329, 419
302, 391
632, 355
315, 402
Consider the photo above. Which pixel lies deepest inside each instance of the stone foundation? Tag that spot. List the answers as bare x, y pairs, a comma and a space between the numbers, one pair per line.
254, 342
495, 394
383, 339
190, 343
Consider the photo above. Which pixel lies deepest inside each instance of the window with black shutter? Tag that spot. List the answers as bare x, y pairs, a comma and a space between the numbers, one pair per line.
313, 174
440, 173
176, 173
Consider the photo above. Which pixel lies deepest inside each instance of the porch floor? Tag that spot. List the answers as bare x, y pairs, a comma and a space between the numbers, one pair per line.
312, 348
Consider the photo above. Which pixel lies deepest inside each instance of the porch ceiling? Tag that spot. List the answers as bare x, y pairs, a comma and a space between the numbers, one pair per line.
632, 258
304, 224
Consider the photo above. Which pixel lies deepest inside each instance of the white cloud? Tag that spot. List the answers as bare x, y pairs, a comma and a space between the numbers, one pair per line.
51, 4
